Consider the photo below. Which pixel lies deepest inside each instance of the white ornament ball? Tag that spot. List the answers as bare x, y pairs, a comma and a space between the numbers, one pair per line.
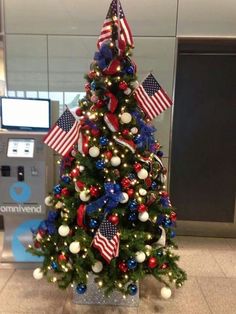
140, 256
48, 200
74, 247
148, 247
81, 168
134, 130
143, 216
142, 192
163, 178
135, 84
94, 151
59, 205
73, 153
84, 196
37, 273
126, 117
97, 267
127, 91
166, 293
142, 174
38, 237
115, 161
63, 230
125, 198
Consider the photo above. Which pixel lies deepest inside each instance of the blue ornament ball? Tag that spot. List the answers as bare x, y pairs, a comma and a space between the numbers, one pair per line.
167, 223
133, 205
130, 70
133, 216
160, 153
81, 288
57, 189
138, 139
100, 164
93, 85
153, 185
160, 253
66, 179
93, 223
54, 265
172, 234
103, 140
132, 263
131, 176
132, 289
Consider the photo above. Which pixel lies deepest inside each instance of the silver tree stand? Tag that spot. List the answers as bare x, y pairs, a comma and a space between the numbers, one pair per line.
93, 295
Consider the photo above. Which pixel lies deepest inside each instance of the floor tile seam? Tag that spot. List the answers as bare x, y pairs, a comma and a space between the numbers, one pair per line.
212, 255
1, 290
204, 297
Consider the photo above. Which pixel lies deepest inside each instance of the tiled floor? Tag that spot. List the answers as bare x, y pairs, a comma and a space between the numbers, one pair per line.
211, 286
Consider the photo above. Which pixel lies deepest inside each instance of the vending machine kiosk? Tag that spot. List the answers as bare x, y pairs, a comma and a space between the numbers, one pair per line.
26, 173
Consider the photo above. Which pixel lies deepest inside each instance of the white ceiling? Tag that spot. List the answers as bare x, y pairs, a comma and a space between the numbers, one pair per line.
80, 17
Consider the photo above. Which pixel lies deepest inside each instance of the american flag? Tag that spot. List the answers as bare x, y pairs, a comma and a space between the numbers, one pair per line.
151, 97
121, 22
107, 240
64, 133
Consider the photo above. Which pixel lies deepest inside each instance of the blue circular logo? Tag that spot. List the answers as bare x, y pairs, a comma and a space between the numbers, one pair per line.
20, 192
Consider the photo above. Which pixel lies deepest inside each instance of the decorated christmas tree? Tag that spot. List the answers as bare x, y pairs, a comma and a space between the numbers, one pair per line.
110, 213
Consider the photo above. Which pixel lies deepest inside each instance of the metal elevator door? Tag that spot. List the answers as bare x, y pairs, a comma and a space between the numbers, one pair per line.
203, 155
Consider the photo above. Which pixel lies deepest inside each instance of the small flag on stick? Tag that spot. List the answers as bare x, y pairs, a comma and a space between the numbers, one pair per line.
151, 97
63, 134
115, 15
107, 240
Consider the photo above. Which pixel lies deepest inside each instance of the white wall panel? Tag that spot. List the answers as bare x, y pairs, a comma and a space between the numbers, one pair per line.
69, 59
158, 55
146, 18
26, 58
206, 18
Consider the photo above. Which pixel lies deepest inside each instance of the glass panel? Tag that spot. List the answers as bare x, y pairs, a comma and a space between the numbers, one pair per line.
31, 94
71, 99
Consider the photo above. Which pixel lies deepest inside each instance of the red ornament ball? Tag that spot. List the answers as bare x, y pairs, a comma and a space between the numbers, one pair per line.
164, 266
87, 87
123, 85
137, 167
74, 173
148, 182
130, 192
91, 74
126, 182
79, 112
164, 194
65, 192
108, 154
37, 244
95, 132
142, 208
62, 258
94, 191
125, 132
173, 216
80, 185
152, 262
114, 219
99, 103
123, 267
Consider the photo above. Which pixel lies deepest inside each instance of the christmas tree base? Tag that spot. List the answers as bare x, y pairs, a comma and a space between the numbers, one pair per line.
93, 295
